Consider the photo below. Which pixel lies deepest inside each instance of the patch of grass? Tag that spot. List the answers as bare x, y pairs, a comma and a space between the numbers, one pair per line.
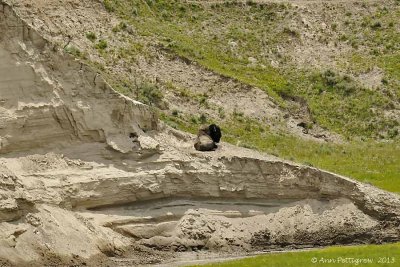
91, 36
376, 25
73, 50
340, 104
101, 45
180, 27
348, 256
291, 32
372, 162
120, 27
222, 37
108, 5
215, 37
131, 52
149, 94
390, 63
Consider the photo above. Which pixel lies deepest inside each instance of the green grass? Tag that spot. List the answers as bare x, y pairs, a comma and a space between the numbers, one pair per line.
101, 45
375, 255
229, 37
179, 28
214, 37
373, 162
232, 39
340, 104
91, 36
390, 63
370, 161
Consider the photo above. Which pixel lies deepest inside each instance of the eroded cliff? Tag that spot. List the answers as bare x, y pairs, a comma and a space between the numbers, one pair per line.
88, 176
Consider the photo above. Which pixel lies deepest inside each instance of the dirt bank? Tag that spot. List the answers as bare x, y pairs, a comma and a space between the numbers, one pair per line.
90, 177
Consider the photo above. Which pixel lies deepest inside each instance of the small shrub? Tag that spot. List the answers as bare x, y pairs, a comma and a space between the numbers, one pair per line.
193, 120
165, 15
175, 113
251, 3
184, 93
376, 25
182, 9
73, 51
101, 45
343, 38
203, 118
150, 2
335, 83
392, 133
221, 112
121, 26
237, 114
108, 5
354, 44
286, 92
375, 52
203, 100
116, 29
291, 32
308, 163
91, 36
149, 94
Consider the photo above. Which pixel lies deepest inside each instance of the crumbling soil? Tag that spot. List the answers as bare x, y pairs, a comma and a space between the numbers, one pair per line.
90, 177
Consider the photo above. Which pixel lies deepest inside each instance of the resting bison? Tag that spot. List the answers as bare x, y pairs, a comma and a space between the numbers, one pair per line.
207, 137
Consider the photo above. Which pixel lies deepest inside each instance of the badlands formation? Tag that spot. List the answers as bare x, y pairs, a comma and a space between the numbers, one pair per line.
90, 177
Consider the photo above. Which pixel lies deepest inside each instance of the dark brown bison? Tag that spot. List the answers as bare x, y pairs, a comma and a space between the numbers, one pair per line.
207, 138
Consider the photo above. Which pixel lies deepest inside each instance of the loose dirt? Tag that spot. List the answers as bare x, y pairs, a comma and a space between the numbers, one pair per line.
78, 187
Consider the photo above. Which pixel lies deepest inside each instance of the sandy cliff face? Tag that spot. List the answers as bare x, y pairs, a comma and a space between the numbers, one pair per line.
88, 176
47, 97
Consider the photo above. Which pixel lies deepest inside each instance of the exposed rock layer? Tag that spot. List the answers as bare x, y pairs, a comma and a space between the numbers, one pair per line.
48, 97
79, 160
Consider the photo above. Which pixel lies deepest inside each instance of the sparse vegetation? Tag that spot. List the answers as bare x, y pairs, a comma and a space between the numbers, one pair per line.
91, 36
73, 50
101, 45
108, 5
343, 107
120, 27
213, 36
372, 162
319, 68
149, 93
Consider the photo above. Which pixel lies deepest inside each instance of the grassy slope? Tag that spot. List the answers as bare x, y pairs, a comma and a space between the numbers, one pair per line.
376, 163
382, 255
339, 103
206, 34
203, 35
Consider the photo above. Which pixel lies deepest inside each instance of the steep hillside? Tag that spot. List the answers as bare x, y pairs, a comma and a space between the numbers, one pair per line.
339, 70
90, 177
312, 81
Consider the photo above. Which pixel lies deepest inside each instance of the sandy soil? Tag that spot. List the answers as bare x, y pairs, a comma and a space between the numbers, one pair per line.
68, 21
90, 177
